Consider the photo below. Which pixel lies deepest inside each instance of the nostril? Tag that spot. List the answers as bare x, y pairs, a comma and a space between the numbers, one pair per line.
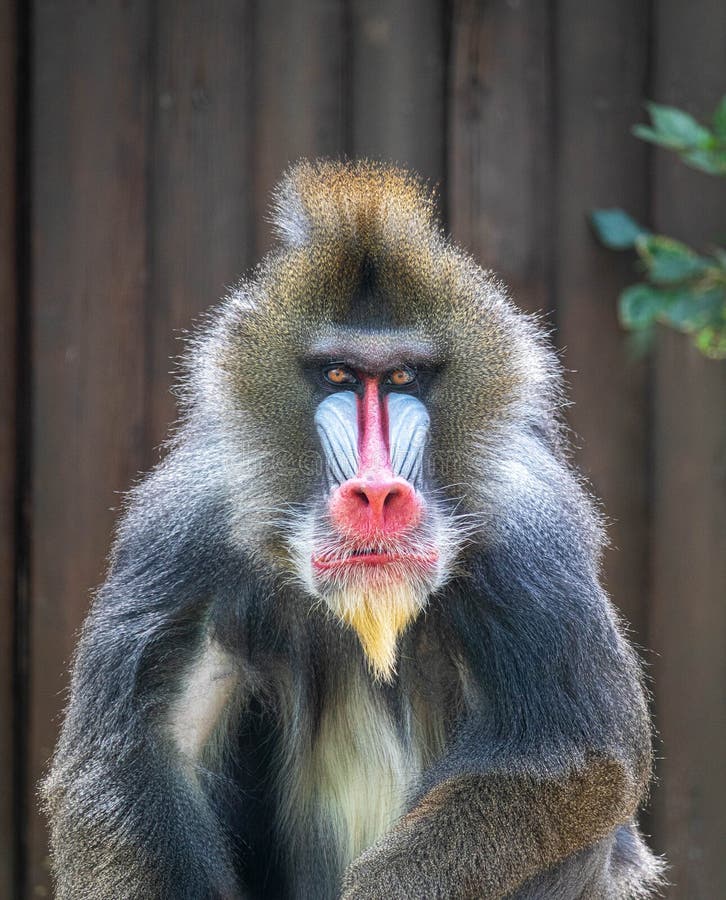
390, 497
375, 495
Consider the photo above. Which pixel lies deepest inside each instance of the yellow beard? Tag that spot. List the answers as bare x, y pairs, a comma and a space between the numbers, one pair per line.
378, 613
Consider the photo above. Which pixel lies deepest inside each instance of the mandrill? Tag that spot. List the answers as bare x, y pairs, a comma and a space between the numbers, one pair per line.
352, 642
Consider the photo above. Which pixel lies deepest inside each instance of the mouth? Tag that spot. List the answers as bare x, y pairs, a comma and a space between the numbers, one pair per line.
374, 558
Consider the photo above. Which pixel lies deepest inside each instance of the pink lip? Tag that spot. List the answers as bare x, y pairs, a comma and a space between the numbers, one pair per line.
331, 563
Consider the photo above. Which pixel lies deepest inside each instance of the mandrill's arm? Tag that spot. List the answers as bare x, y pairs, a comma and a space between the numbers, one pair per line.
555, 749
127, 793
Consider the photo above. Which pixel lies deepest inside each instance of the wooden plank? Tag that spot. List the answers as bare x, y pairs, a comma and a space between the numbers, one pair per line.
299, 92
499, 150
520, 195
689, 616
397, 65
89, 155
8, 437
689, 560
201, 201
601, 70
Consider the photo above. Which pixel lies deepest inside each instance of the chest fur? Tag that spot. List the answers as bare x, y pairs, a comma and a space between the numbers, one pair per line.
351, 781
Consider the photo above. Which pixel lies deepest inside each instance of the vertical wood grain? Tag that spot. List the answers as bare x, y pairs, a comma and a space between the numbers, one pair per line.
397, 83
89, 276
601, 70
299, 84
9, 471
500, 142
689, 565
200, 201
157, 134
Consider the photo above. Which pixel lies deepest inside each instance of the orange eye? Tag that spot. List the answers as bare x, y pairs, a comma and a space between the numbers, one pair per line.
340, 375
401, 377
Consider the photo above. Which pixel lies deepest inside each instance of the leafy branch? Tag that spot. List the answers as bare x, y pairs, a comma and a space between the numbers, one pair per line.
682, 288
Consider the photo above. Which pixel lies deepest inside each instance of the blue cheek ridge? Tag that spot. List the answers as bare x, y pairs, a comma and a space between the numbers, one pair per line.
408, 423
336, 419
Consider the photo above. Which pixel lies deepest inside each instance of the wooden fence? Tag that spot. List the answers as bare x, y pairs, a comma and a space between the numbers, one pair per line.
138, 145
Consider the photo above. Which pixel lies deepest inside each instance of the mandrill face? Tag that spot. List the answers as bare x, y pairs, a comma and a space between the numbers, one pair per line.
369, 343
377, 547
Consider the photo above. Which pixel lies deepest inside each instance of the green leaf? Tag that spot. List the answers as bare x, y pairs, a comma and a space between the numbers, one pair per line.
713, 162
640, 305
689, 309
719, 120
615, 228
675, 128
710, 306
646, 133
678, 312
711, 341
669, 261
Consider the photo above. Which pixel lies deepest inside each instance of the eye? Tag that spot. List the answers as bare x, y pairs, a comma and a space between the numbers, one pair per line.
401, 377
339, 375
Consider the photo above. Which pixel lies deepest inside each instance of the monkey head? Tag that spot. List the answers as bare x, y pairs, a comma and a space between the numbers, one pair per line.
372, 375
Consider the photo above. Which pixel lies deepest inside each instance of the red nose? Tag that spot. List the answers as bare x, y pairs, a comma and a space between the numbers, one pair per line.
382, 505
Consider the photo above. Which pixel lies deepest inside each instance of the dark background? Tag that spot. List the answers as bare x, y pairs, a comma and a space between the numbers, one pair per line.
138, 145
